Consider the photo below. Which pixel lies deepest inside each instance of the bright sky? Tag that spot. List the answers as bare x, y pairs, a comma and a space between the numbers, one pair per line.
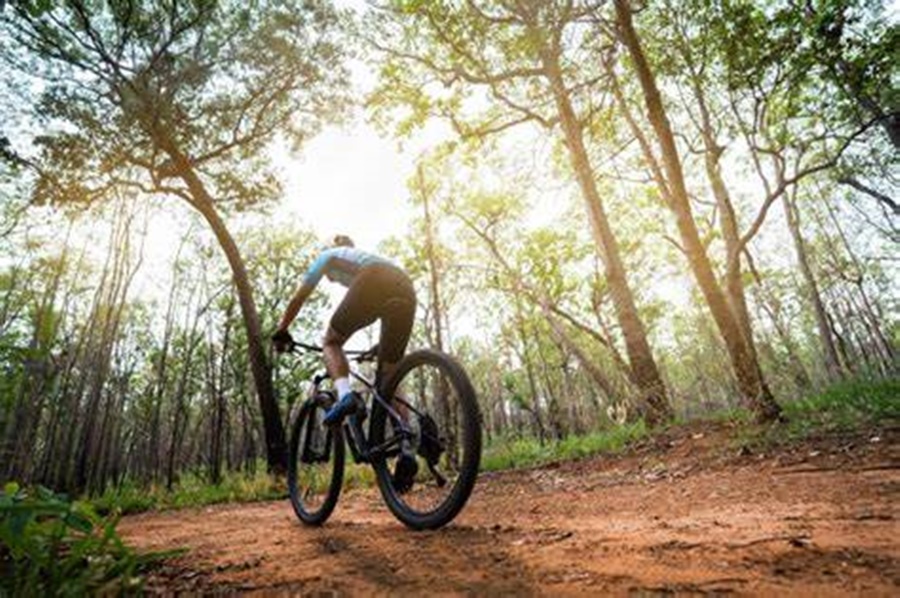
349, 181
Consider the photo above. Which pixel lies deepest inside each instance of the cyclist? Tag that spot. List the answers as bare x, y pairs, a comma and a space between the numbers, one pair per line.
377, 289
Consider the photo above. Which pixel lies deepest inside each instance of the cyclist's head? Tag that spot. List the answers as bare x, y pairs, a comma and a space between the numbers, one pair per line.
342, 241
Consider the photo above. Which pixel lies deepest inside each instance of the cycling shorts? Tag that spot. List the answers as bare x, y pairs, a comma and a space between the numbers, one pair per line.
379, 292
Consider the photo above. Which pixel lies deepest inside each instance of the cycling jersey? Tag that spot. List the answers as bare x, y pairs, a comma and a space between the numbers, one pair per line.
341, 265
376, 290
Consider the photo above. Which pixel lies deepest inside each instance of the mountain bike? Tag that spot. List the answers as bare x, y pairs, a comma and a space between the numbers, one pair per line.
431, 412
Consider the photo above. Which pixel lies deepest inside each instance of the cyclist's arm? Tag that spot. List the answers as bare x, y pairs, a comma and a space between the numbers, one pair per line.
310, 280
293, 308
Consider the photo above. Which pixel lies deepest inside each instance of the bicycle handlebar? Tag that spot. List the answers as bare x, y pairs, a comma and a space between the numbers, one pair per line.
370, 354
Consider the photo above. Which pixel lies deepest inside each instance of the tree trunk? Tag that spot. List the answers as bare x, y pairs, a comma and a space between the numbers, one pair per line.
753, 388
276, 445
554, 410
645, 372
728, 224
529, 372
433, 268
108, 308
217, 394
769, 305
833, 367
202, 201
612, 394
868, 312
442, 393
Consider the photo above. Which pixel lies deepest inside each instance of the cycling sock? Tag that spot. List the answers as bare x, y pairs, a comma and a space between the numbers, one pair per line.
342, 385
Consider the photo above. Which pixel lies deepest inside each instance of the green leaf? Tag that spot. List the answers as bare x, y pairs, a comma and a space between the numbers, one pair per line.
18, 521
11, 489
45, 493
79, 521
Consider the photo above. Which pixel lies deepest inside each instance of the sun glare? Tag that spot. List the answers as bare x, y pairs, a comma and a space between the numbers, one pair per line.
349, 181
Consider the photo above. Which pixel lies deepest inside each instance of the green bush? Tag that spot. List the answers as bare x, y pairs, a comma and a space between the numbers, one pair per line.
125, 499
845, 406
528, 452
51, 546
192, 490
853, 405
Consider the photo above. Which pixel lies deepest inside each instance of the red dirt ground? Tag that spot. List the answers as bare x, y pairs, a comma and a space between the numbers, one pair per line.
686, 513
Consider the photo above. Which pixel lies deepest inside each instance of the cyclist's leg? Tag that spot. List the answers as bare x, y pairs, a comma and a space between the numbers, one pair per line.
396, 328
356, 311
333, 352
397, 318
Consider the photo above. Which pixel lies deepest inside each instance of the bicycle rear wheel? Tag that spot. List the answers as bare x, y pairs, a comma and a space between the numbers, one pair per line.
316, 462
436, 401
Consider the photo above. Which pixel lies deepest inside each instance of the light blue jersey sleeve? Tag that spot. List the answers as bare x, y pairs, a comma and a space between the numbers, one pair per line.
317, 269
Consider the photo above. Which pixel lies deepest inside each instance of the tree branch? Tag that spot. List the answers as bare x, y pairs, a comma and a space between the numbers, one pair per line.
881, 197
784, 184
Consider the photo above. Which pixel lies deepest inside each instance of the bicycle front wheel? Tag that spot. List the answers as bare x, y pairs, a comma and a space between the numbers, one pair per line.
437, 423
316, 462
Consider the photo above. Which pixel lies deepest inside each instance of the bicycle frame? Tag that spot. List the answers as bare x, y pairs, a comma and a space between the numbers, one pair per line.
357, 439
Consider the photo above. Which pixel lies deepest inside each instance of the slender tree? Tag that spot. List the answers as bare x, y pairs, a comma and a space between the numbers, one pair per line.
753, 387
521, 55
180, 100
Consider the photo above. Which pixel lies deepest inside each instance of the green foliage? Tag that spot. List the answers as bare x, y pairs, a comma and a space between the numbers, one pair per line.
51, 546
358, 476
846, 406
126, 499
196, 491
855, 405
216, 80
528, 452
191, 491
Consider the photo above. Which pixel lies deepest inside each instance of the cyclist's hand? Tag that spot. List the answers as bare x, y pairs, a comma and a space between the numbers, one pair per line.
282, 341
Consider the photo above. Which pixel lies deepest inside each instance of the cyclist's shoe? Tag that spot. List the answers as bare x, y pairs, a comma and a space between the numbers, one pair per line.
405, 473
349, 404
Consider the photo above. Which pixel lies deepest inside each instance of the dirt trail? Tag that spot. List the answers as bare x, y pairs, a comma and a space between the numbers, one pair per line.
682, 514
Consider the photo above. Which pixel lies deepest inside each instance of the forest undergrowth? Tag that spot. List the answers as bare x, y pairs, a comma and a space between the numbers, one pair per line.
849, 406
